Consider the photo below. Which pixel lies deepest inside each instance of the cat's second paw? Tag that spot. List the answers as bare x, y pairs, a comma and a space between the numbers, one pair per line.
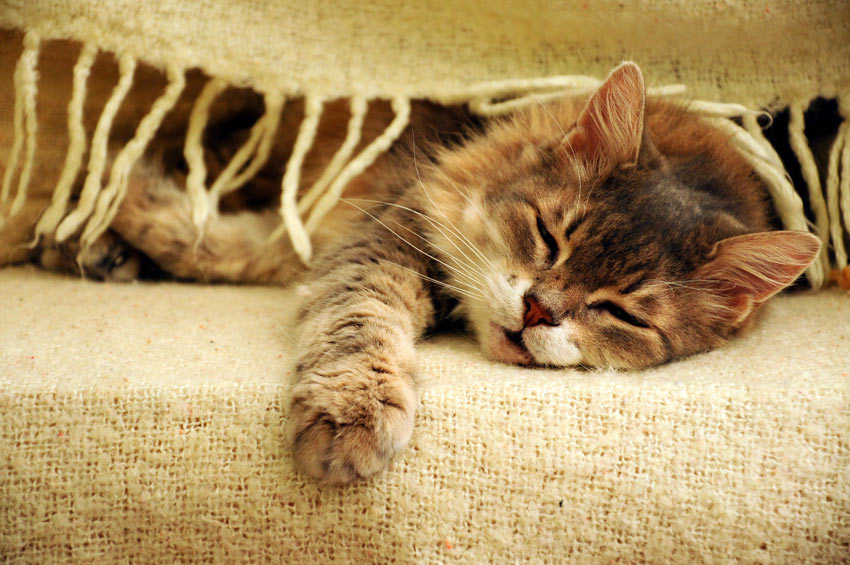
348, 425
108, 258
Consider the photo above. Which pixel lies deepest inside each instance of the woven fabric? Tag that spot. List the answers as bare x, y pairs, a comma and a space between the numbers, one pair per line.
143, 423
753, 53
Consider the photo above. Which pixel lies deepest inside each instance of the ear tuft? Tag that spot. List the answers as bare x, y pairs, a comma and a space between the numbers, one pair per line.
610, 127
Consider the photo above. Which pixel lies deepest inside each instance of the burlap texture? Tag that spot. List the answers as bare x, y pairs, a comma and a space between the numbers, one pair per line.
754, 53
143, 423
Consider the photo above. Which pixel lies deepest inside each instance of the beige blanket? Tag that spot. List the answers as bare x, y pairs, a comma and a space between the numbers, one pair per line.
143, 423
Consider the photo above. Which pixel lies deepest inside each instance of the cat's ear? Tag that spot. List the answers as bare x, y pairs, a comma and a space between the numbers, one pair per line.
610, 128
746, 270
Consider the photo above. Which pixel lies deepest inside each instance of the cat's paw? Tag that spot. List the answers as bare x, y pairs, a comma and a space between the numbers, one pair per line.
108, 258
348, 425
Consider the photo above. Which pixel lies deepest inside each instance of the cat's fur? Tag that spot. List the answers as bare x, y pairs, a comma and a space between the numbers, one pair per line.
612, 231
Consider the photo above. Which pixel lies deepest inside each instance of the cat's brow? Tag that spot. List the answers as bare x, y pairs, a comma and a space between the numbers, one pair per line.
633, 287
571, 228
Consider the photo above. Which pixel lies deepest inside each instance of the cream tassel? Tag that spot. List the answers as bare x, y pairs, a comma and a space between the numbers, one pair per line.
110, 197
359, 106
401, 107
832, 194
808, 167
193, 151
259, 144
76, 145
767, 152
26, 87
292, 223
844, 185
99, 151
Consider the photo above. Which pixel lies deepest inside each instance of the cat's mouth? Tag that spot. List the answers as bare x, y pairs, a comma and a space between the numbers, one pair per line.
507, 346
515, 338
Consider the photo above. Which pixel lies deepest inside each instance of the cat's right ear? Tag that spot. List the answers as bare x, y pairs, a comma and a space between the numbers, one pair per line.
610, 128
746, 270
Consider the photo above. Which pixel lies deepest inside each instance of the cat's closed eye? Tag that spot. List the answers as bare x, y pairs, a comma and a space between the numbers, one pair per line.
618, 312
551, 243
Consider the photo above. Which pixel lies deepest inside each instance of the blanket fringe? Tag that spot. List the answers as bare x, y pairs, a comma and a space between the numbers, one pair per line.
97, 205
98, 157
257, 148
110, 197
358, 106
76, 146
834, 180
401, 107
809, 169
25, 123
844, 188
292, 223
193, 151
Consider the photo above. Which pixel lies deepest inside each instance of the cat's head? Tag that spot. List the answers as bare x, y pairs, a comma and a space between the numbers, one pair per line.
605, 234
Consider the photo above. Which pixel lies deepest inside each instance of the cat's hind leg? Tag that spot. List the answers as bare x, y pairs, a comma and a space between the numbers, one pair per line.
156, 218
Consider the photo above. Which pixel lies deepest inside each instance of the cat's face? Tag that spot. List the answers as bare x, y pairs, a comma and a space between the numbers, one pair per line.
587, 249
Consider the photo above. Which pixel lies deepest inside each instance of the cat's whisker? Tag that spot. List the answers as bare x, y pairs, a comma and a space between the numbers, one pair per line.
399, 236
435, 223
464, 239
545, 109
433, 203
468, 275
437, 282
471, 246
680, 283
361, 286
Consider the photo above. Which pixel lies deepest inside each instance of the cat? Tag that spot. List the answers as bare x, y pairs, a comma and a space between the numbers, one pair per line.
611, 231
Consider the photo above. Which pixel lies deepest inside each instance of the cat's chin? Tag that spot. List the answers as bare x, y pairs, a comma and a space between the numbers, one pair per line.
553, 346
505, 346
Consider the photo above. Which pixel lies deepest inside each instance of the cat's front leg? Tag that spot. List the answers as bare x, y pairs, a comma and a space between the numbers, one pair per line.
353, 404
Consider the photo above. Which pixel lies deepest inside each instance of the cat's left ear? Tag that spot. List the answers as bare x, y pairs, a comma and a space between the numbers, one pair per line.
746, 270
610, 129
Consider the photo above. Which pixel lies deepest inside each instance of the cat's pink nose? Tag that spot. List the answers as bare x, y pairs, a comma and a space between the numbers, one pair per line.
535, 314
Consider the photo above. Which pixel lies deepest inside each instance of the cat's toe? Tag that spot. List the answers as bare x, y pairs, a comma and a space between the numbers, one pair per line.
341, 434
110, 258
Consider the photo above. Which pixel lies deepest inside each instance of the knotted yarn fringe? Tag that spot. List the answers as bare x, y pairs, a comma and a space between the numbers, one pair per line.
26, 87
845, 164
809, 169
76, 145
110, 197
98, 157
301, 215
258, 145
401, 107
292, 223
359, 106
788, 203
193, 151
834, 194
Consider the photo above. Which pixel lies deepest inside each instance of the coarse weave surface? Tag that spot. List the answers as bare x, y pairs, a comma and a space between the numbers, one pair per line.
142, 423
754, 53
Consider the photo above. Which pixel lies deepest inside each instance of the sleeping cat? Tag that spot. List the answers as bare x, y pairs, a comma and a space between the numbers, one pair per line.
613, 231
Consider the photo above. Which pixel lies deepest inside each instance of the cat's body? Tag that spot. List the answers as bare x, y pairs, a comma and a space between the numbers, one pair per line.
605, 232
